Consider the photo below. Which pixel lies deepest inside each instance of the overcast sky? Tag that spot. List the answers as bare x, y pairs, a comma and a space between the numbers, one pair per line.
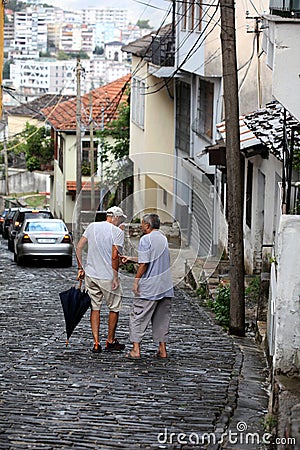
154, 10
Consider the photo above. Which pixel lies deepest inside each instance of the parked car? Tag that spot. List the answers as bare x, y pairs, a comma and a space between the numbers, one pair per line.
2, 219
43, 238
21, 215
8, 221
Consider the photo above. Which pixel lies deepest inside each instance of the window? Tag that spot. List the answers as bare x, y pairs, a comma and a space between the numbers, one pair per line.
183, 114
165, 197
205, 109
249, 194
191, 15
138, 102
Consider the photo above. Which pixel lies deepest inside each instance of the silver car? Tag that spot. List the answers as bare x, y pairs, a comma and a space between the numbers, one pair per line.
43, 238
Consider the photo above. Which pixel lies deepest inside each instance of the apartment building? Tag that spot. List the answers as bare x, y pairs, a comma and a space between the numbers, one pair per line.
46, 75
30, 30
106, 15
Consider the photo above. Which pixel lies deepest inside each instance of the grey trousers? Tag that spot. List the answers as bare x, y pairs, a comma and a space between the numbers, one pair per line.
144, 311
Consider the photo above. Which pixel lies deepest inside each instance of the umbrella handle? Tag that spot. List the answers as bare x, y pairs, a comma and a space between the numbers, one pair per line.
80, 283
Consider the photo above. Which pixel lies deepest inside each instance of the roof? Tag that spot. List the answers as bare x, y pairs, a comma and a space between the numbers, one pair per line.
247, 137
265, 127
33, 108
105, 101
142, 46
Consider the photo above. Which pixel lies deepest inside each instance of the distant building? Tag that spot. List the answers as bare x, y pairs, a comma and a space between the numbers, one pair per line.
119, 17
30, 30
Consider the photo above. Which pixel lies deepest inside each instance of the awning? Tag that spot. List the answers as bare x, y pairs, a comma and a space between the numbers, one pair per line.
247, 137
85, 186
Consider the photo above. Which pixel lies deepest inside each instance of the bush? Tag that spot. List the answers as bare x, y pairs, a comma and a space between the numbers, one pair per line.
221, 305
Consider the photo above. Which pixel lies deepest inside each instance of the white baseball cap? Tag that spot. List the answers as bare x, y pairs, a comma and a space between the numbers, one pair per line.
116, 211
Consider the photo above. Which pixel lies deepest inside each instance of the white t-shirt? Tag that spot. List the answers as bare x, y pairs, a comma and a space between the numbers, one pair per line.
101, 237
156, 282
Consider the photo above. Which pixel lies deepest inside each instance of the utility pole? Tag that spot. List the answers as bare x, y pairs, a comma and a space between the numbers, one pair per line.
92, 154
78, 202
257, 31
101, 174
5, 160
234, 169
1, 52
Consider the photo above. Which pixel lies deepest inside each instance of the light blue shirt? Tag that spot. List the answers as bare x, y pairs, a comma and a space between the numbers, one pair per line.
156, 282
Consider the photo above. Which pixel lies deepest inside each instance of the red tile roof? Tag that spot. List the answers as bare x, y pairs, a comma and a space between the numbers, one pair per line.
105, 101
86, 186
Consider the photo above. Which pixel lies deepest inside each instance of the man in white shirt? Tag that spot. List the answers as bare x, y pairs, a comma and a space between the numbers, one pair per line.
105, 241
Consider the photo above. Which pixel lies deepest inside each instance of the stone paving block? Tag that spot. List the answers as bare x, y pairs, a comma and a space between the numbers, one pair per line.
53, 397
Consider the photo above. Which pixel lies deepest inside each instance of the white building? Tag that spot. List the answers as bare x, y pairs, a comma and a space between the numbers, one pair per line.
34, 77
30, 30
113, 52
119, 17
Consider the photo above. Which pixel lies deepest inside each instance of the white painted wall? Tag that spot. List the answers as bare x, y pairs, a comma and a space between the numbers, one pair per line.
287, 312
255, 236
281, 43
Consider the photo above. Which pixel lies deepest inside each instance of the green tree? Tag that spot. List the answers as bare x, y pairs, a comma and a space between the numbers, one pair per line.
38, 147
114, 145
98, 50
143, 24
62, 56
117, 129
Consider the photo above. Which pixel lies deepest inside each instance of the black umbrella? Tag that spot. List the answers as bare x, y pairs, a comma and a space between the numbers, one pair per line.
75, 302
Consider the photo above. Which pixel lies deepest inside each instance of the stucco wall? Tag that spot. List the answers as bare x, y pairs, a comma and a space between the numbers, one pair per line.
281, 43
287, 313
24, 181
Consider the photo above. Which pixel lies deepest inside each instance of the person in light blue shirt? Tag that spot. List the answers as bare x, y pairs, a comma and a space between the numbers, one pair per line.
153, 288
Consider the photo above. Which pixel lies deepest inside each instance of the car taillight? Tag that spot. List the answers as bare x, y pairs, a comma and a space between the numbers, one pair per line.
1, 219
66, 239
26, 238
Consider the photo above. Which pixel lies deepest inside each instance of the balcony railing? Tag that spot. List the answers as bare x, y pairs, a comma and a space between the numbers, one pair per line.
163, 49
285, 8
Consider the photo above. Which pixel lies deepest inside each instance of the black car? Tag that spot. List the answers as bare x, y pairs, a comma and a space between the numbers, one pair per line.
21, 215
8, 221
2, 219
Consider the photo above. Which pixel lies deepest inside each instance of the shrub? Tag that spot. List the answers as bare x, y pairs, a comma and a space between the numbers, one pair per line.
221, 305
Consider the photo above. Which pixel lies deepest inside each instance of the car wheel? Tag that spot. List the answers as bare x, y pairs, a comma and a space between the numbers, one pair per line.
10, 245
19, 260
67, 261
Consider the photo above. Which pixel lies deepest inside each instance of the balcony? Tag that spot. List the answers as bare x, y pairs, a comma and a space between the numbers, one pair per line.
285, 8
163, 50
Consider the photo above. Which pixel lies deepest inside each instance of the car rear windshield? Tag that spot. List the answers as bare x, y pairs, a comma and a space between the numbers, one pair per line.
45, 226
42, 215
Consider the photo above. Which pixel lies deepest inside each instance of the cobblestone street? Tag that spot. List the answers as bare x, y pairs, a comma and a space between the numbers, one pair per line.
58, 397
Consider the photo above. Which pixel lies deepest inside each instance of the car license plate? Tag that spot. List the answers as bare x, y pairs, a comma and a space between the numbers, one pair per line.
46, 241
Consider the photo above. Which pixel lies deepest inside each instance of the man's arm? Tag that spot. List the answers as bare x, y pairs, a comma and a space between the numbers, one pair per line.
115, 266
140, 272
81, 244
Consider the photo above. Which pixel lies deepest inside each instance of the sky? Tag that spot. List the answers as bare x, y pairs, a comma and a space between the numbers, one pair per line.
154, 10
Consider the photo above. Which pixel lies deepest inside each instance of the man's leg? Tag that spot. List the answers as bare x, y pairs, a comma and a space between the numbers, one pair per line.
135, 352
140, 317
112, 325
95, 325
160, 325
96, 295
114, 303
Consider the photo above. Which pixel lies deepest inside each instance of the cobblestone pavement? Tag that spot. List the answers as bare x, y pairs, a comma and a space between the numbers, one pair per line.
58, 397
